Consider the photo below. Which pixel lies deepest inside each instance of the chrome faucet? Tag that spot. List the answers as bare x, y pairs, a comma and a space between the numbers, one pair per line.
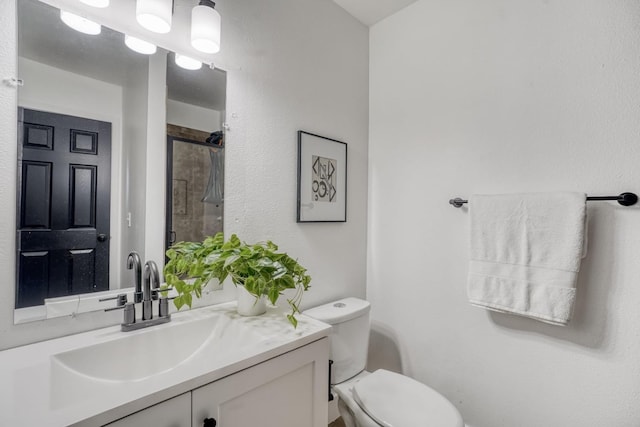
145, 293
133, 260
151, 283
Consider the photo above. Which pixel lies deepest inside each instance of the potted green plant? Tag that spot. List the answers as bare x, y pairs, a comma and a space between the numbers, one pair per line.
188, 270
259, 268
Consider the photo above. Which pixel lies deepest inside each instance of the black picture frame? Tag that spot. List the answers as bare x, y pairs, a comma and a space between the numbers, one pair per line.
322, 179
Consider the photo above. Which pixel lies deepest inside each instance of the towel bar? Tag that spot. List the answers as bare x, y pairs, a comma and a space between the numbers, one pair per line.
625, 199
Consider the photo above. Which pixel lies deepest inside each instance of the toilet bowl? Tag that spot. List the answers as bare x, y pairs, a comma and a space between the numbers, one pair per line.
381, 398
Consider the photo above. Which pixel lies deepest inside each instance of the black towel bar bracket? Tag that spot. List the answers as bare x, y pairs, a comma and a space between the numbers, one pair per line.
625, 199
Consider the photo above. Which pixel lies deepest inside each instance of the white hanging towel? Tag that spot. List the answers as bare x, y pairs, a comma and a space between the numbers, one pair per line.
525, 253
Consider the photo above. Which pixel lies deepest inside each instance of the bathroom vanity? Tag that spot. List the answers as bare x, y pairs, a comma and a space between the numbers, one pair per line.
206, 364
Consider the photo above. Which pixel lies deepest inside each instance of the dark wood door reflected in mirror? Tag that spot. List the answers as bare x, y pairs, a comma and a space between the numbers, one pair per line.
64, 197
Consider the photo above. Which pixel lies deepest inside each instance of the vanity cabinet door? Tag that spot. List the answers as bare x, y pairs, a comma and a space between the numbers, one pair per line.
175, 412
287, 391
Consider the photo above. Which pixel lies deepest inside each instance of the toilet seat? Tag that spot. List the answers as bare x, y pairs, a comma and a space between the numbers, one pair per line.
350, 411
394, 400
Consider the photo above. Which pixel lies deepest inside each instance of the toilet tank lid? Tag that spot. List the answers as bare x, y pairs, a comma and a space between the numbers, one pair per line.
339, 311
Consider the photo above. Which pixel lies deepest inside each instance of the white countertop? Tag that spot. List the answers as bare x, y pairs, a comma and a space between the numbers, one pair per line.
34, 391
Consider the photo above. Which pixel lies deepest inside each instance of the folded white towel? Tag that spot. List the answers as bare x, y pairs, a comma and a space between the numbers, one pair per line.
525, 253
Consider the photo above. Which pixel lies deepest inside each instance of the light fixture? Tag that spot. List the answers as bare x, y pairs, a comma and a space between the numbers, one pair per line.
96, 3
205, 27
79, 23
187, 63
155, 15
140, 46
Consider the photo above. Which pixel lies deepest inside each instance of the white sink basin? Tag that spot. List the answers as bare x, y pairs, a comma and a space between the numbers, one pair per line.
132, 356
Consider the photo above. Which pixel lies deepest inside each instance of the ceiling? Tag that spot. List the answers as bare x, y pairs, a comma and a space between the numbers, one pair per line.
371, 11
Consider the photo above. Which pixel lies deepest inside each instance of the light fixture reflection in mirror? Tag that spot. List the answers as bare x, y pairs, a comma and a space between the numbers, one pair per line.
79, 23
140, 46
98, 78
187, 63
96, 3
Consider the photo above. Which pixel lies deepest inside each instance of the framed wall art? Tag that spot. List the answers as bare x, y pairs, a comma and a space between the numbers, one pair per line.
322, 179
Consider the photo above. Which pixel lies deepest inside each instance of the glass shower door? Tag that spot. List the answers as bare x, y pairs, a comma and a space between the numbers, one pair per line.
195, 202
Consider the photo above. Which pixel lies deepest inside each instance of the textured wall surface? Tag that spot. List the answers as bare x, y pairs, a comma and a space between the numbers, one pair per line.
193, 116
8, 168
286, 71
507, 96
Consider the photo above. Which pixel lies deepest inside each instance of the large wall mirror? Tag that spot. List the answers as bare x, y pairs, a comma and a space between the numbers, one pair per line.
89, 125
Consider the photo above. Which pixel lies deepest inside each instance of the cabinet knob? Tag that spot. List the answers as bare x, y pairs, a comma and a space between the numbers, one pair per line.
209, 422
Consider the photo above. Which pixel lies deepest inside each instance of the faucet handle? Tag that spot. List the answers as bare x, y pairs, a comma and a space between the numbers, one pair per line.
155, 293
137, 296
129, 312
121, 299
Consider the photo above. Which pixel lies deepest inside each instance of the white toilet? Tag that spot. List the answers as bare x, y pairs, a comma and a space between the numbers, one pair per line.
381, 398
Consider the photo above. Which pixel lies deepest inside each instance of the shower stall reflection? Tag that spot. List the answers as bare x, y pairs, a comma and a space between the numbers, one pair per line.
196, 182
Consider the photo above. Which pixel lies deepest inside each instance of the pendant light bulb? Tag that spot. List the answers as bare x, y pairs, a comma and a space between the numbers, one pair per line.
96, 3
187, 63
140, 46
155, 15
79, 23
205, 27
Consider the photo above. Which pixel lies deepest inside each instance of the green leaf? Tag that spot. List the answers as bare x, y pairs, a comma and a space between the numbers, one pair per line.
293, 320
187, 299
230, 260
178, 302
288, 282
273, 295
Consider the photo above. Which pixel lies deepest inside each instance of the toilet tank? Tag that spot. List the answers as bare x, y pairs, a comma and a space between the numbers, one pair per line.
349, 318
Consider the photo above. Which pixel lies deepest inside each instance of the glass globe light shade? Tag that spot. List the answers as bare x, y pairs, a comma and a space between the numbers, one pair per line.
205, 28
155, 15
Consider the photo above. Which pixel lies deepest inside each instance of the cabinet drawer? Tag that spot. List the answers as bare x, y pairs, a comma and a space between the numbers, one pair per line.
175, 412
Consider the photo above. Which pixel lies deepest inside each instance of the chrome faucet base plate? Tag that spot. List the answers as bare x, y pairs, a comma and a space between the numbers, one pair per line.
127, 327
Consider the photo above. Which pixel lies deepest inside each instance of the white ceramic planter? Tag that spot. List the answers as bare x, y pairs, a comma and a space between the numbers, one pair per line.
249, 305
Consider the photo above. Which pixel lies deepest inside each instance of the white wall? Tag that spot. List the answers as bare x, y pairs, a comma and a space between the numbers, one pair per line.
134, 165
81, 96
507, 96
156, 159
286, 72
296, 64
193, 116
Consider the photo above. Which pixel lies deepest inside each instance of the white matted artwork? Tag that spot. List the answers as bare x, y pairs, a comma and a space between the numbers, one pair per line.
322, 179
